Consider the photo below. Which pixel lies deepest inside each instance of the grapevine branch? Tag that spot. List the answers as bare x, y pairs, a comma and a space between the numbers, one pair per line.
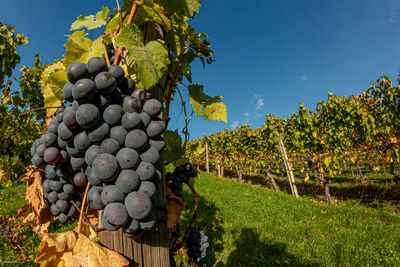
120, 49
172, 84
194, 218
36, 109
83, 207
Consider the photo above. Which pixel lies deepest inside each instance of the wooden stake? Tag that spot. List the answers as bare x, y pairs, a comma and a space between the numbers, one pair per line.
288, 169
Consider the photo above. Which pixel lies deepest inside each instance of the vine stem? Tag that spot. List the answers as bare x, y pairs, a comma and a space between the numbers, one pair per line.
172, 84
83, 207
185, 129
120, 49
106, 54
194, 218
36, 109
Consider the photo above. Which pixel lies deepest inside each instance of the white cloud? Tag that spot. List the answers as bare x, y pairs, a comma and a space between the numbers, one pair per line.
259, 102
235, 124
393, 13
246, 114
303, 77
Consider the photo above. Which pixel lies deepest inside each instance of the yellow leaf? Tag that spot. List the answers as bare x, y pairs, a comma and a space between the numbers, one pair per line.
353, 159
327, 161
175, 205
314, 134
393, 139
72, 249
306, 178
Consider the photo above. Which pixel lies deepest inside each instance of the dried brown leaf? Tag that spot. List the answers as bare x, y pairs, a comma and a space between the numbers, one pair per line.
75, 249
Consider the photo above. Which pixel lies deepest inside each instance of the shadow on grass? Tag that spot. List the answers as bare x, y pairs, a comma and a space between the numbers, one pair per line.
251, 251
381, 191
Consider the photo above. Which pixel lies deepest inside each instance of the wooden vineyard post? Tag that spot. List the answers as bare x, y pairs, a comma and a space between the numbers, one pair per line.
288, 169
151, 249
207, 165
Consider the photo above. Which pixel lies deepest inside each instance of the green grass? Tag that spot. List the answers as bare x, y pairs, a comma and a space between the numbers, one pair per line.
11, 199
253, 226
249, 225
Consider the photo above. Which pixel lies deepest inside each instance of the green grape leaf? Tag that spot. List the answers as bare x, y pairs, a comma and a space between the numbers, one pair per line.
173, 150
80, 48
53, 79
181, 7
151, 60
209, 107
91, 22
152, 12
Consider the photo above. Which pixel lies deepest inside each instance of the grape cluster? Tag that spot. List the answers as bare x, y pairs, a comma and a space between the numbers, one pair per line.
112, 138
60, 185
180, 175
197, 243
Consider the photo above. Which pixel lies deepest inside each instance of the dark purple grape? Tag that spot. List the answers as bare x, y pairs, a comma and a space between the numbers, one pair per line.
67, 92
150, 155
40, 150
99, 133
80, 179
152, 107
158, 143
81, 141
52, 196
70, 118
110, 146
96, 65
105, 167
111, 194
131, 104
112, 114
105, 82
145, 170
117, 72
94, 198
136, 139
87, 115
127, 158
84, 91
118, 133
138, 205
127, 181
92, 152
77, 71
131, 120
148, 188
50, 139
155, 128
51, 155
115, 214
64, 133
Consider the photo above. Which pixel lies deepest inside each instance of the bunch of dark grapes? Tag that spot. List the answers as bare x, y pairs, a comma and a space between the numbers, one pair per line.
109, 135
59, 186
181, 175
282, 171
371, 167
196, 244
302, 175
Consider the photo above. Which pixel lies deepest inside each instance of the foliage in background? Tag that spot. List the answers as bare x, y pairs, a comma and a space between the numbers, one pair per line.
18, 130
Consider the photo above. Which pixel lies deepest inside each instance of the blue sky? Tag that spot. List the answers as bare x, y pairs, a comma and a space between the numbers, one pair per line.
270, 55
